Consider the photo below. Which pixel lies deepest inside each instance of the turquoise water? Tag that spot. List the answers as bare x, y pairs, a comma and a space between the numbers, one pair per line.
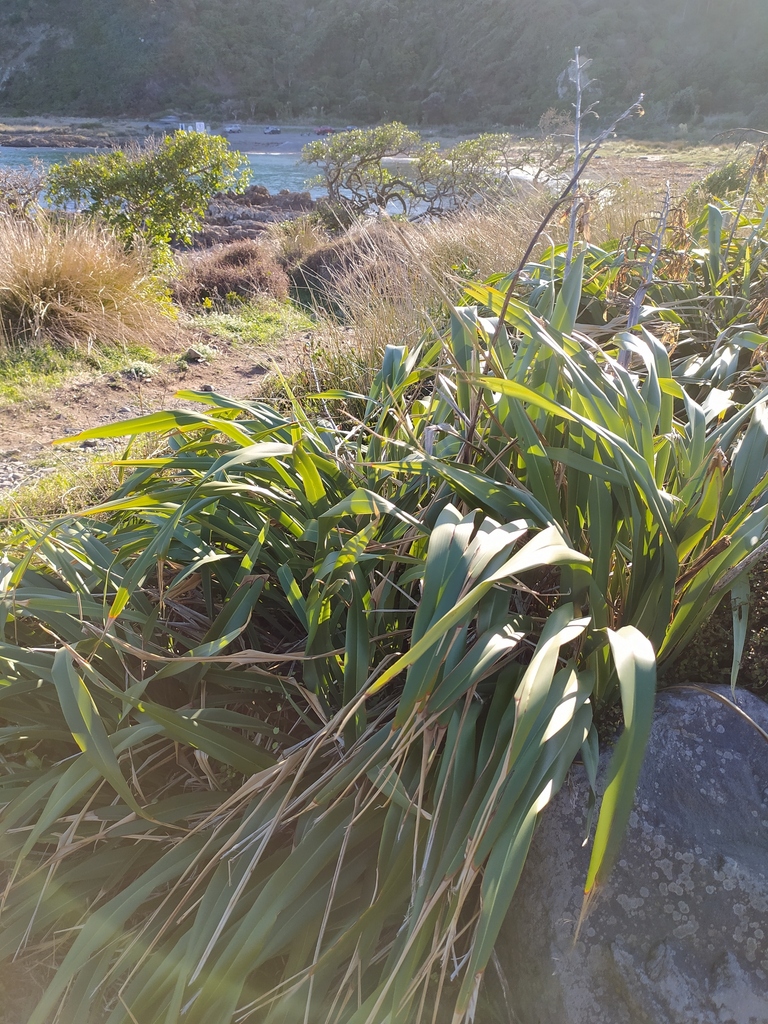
275, 170
281, 170
10, 157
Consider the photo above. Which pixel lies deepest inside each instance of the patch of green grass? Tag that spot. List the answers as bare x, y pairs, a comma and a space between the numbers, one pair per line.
41, 368
262, 322
73, 481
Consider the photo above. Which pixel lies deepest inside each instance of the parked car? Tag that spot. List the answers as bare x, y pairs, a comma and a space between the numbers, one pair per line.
232, 129
351, 128
272, 129
325, 129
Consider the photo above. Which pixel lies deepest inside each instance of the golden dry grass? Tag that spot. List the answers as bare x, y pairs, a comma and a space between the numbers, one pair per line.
245, 269
394, 288
390, 280
71, 283
294, 240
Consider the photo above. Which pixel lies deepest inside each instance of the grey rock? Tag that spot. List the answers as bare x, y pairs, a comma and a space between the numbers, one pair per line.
679, 935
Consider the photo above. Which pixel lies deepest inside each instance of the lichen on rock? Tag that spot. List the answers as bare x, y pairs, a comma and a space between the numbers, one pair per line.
678, 934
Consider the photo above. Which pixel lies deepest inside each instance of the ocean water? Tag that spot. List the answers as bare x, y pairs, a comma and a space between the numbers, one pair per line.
282, 170
274, 170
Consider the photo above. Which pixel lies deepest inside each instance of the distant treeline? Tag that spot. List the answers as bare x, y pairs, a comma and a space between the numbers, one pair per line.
452, 61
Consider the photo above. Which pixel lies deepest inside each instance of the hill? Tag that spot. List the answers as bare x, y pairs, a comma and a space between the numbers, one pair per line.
489, 61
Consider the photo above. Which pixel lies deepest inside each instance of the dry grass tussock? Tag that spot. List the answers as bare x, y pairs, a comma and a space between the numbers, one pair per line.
292, 241
388, 282
245, 269
614, 210
71, 283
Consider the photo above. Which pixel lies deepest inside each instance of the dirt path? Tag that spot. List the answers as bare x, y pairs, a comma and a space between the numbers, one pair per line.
28, 428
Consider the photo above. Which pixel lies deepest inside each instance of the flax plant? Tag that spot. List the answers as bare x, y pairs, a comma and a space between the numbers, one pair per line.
281, 716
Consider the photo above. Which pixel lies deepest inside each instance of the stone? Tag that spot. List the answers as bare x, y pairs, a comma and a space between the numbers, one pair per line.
232, 217
679, 934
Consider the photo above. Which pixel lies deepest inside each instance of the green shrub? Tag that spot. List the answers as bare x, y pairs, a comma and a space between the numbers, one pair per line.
731, 177
727, 183
156, 191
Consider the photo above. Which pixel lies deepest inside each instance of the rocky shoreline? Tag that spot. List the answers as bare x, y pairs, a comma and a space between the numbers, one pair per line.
59, 140
22, 137
232, 217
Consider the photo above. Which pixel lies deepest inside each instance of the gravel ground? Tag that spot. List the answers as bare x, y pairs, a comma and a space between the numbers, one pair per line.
18, 469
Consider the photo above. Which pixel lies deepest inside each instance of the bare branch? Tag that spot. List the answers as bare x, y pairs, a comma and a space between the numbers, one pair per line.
635, 108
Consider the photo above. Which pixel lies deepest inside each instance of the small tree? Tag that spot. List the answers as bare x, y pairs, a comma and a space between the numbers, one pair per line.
469, 172
352, 171
487, 166
434, 181
20, 189
157, 191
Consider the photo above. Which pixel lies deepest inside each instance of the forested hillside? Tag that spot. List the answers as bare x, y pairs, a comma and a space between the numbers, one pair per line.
491, 61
